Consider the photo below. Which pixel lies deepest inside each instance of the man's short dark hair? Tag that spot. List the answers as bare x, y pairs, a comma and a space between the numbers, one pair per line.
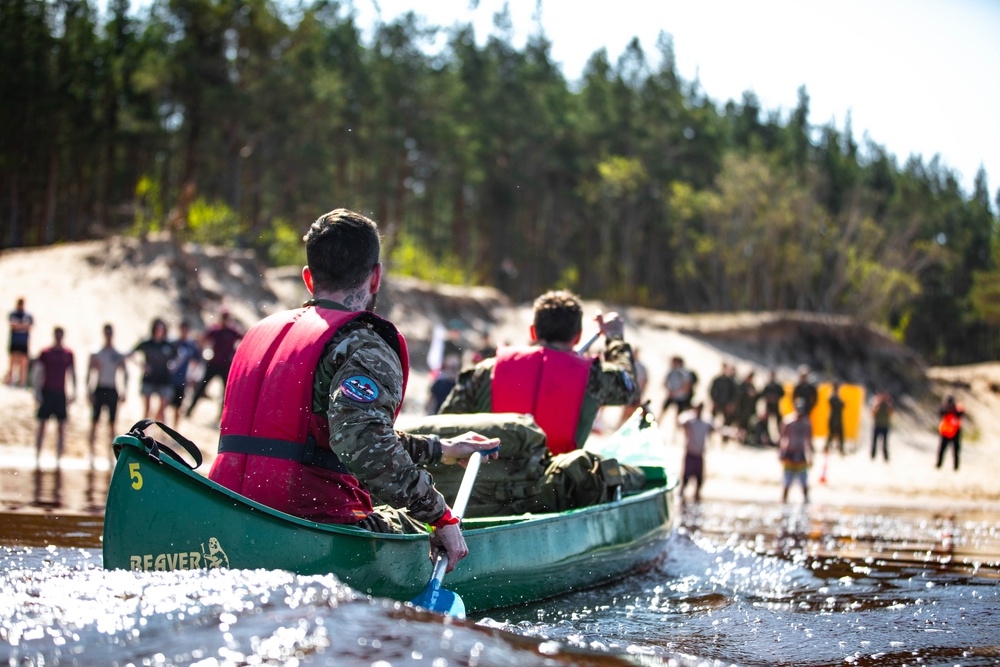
342, 248
558, 316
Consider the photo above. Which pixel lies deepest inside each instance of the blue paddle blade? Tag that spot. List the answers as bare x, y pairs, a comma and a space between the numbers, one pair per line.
441, 600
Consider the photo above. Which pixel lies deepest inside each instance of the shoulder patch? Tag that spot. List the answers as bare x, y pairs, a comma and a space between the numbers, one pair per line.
359, 388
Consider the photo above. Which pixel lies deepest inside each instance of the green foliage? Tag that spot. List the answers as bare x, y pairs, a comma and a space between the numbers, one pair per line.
621, 176
569, 279
410, 257
985, 292
148, 210
283, 243
214, 223
899, 330
985, 296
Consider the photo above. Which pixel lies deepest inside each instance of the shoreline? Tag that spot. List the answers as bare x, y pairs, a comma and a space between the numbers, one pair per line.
752, 476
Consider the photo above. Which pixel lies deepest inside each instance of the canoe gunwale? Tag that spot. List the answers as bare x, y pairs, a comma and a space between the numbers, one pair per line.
469, 525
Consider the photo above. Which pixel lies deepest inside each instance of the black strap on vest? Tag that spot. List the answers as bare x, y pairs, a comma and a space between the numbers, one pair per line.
307, 454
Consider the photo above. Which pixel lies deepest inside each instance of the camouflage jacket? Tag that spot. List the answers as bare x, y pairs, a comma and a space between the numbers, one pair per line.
388, 463
611, 382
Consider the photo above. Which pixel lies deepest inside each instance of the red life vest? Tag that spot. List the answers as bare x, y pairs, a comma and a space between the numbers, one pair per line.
950, 423
548, 384
268, 408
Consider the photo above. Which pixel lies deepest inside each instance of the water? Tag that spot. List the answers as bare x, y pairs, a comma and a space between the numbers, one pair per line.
750, 584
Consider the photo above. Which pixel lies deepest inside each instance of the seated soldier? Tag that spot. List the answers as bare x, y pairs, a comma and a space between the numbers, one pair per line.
544, 399
560, 388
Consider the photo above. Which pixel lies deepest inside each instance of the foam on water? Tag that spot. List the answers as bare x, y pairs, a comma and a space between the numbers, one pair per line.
740, 584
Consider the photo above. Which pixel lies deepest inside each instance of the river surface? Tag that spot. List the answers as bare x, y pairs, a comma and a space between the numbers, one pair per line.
743, 584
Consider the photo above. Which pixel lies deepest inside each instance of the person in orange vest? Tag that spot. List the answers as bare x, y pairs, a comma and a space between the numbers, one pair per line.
950, 429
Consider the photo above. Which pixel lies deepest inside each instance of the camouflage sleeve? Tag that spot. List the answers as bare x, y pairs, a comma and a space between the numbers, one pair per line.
472, 393
365, 391
612, 378
423, 449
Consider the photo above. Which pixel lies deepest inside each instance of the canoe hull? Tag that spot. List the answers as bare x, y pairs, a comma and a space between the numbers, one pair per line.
163, 516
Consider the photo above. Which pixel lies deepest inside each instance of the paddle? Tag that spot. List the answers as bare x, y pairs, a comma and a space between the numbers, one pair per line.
433, 597
586, 346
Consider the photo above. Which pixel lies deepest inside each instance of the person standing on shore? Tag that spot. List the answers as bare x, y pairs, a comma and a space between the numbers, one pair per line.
746, 403
186, 353
696, 432
882, 417
722, 391
806, 390
20, 330
102, 381
950, 429
443, 383
795, 449
54, 365
772, 393
218, 344
678, 384
157, 353
835, 423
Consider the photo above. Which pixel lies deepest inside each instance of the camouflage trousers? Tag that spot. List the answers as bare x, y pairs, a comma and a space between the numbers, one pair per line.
386, 519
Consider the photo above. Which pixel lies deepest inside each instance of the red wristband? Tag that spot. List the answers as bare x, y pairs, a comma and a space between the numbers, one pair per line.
447, 519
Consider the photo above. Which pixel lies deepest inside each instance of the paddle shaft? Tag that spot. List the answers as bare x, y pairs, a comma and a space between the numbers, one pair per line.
458, 509
586, 346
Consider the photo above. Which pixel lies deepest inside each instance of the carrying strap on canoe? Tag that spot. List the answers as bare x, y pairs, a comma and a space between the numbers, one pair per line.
154, 447
306, 454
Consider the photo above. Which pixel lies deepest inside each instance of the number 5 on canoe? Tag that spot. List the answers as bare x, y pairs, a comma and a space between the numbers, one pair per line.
135, 475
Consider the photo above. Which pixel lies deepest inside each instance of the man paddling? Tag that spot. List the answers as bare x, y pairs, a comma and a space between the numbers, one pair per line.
307, 421
548, 379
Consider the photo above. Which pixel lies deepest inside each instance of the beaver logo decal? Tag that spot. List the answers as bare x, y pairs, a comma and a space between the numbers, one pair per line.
215, 557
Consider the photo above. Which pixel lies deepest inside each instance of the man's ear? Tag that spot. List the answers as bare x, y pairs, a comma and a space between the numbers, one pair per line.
376, 279
576, 338
307, 278
532, 330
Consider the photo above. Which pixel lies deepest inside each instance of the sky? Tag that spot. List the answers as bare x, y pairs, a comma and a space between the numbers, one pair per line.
919, 77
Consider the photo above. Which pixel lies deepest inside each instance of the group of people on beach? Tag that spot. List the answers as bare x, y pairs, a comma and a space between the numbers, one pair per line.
173, 370
734, 416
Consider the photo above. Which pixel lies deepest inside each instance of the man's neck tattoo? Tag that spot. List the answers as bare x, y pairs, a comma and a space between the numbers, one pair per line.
356, 300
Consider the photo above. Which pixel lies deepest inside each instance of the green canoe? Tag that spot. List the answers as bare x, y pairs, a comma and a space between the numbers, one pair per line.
161, 515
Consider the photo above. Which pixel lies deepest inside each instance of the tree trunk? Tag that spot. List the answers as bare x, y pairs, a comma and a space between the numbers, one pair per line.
51, 191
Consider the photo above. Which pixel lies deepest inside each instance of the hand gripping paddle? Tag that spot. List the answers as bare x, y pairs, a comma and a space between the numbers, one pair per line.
433, 597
